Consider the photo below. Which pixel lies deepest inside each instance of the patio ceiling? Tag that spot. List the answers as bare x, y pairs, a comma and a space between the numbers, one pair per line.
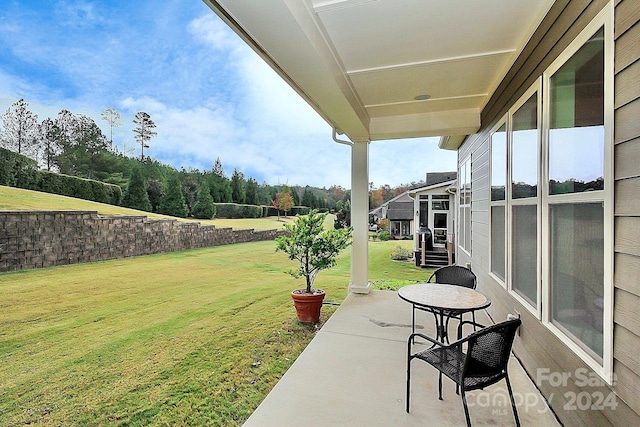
361, 63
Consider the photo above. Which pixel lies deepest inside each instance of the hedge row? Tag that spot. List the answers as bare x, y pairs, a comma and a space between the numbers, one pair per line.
81, 188
235, 210
295, 210
298, 210
19, 171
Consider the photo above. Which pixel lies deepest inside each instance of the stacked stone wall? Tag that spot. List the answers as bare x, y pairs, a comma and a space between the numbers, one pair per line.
37, 239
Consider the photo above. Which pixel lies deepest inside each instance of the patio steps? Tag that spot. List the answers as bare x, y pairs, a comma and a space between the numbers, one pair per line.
432, 259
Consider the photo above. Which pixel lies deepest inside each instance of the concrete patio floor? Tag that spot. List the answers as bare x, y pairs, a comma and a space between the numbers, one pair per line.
353, 374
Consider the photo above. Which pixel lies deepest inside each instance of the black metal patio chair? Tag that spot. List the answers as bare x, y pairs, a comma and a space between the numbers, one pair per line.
458, 276
455, 275
481, 364
452, 275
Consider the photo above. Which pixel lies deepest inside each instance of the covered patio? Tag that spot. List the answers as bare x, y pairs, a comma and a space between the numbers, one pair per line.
379, 70
353, 374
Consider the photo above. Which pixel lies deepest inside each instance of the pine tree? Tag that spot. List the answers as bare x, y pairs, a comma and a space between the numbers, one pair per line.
251, 193
219, 184
136, 196
20, 129
112, 117
172, 202
308, 199
238, 191
204, 207
143, 130
51, 147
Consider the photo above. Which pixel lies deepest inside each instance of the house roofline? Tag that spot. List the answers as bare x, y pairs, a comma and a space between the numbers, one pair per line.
447, 184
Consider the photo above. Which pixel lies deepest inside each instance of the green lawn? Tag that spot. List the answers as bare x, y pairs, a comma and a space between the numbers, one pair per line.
19, 199
189, 338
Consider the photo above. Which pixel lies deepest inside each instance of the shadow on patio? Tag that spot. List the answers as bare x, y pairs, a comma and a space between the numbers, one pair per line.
353, 374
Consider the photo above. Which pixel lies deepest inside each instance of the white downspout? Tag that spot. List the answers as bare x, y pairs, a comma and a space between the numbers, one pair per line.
334, 135
359, 215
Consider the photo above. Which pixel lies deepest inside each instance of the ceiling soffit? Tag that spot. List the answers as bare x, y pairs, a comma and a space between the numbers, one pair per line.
360, 63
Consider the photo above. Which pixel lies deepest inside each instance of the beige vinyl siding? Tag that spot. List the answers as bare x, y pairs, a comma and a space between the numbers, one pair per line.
537, 347
627, 156
627, 208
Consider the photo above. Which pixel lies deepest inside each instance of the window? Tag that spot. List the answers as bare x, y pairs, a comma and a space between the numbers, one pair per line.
525, 143
576, 116
406, 228
440, 228
440, 202
524, 254
524, 147
577, 273
440, 220
576, 200
498, 197
464, 205
424, 213
551, 198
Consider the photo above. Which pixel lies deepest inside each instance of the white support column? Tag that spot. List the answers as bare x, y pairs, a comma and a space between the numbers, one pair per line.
360, 218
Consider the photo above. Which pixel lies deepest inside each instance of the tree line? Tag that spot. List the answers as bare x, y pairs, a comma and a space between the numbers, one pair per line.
384, 193
73, 144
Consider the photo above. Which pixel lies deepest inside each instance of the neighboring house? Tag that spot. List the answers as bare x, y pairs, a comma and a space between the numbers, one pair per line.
431, 206
541, 100
434, 207
378, 213
399, 212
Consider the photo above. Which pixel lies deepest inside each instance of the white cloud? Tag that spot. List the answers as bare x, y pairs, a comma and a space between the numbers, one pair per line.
213, 32
272, 100
190, 133
407, 160
202, 134
268, 131
209, 94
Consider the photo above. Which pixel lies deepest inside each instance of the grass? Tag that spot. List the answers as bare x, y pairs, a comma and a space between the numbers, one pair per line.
196, 337
19, 199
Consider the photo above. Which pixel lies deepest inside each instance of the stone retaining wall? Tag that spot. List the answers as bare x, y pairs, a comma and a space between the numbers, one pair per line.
37, 239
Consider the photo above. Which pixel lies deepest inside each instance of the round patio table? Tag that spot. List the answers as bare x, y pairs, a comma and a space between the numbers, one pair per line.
442, 299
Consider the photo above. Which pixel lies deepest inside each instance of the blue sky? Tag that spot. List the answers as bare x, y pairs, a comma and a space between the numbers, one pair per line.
209, 94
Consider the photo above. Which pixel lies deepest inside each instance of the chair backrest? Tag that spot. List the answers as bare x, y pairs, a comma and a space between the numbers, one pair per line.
455, 275
489, 348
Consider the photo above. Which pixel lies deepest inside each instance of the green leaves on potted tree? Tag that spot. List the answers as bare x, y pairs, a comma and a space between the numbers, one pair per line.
315, 249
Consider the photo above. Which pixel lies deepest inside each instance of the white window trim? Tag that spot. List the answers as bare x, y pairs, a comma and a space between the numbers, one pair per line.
502, 122
604, 19
466, 163
537, 309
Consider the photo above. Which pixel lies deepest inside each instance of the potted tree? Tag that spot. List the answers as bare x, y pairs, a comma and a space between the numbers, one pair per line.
315, 249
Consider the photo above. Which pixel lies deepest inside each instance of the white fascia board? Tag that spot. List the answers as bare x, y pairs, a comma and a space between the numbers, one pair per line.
451, 142
412, 193
466, 121
283, 33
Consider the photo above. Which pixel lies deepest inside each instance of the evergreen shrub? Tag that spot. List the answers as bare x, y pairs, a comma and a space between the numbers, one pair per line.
235, 210
173, 202
204, 207
17, 170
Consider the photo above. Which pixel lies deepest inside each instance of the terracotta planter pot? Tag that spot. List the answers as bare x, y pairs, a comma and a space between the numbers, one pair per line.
308, 305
